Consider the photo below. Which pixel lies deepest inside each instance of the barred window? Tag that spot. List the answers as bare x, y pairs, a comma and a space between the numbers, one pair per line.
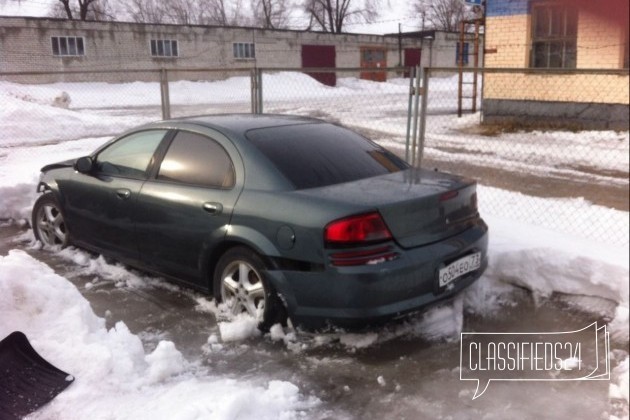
164, 48
554, 36
244, 50
64, 46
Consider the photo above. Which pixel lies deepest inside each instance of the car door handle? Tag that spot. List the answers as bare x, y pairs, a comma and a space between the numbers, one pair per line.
123, 193
213, 208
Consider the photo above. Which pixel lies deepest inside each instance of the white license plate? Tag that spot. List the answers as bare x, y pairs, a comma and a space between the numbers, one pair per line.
460, 267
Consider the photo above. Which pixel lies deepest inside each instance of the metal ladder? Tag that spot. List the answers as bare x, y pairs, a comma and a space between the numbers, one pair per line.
460, 66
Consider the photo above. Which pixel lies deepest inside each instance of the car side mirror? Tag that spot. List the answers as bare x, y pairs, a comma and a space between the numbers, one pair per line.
84, 165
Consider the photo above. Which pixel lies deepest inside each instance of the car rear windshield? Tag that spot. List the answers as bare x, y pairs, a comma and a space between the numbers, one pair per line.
317, 155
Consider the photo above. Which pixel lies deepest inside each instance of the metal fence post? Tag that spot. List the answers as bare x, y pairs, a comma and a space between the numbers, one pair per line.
260, 91
412, 73
164, 95
415, 117
253, 80
423, 112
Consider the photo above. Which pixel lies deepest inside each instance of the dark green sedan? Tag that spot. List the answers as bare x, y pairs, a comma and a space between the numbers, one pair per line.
282, 217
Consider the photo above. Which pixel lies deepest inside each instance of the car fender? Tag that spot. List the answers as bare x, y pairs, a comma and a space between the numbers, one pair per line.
253, 239
49, 184
235, 236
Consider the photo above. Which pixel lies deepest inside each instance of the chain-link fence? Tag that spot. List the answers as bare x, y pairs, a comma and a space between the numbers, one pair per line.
549, 174
532, 136
378, 110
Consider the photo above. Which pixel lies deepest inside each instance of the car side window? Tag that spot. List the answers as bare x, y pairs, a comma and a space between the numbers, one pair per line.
197, 160
131, 155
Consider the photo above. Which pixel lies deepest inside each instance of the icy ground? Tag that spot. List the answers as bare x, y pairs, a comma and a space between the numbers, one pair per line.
170, 367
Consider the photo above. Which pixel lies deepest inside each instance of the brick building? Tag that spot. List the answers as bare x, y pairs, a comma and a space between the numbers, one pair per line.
576, 56
47, 45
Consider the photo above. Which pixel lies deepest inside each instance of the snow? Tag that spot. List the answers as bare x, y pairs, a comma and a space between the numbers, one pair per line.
542, 252
619, 387
239, 328
128, 383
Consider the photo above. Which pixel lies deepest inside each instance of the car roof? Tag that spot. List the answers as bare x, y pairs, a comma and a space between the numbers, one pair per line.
241, 123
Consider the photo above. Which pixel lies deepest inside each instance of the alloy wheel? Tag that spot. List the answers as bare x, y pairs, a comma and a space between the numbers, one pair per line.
50, 225
242, 289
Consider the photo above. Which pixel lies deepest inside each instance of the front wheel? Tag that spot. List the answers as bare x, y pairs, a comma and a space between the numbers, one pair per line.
240, 284
49, 226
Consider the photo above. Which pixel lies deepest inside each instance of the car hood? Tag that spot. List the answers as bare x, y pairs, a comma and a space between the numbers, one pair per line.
65, 164
418, 206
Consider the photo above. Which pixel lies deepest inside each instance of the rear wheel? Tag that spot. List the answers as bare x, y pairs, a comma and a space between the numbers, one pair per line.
240, 284
49, 226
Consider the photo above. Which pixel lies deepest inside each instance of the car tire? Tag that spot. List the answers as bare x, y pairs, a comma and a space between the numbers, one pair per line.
239, 282
49, 226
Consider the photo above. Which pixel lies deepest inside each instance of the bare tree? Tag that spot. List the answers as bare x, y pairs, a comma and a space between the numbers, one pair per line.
218, 13
272, 14
222, 14
83, 10
146, 11
186, 12
443, 15
332, 15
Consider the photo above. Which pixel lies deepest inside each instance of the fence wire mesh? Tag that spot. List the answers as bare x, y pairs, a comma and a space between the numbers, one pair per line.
569, 180
376, 109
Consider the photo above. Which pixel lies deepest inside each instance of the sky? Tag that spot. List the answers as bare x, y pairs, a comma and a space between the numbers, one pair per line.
392, 13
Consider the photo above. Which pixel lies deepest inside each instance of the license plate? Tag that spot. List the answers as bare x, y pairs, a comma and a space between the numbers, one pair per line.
459, 268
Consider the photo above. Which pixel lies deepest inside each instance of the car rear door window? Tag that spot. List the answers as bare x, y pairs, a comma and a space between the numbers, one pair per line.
317, 155
197, 160
130, 156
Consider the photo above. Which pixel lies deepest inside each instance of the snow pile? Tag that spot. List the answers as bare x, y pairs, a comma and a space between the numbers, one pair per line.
17, 201
36, 118
574, 217
239, 328
360, 85
279, 85
164, 362
565, 273
44, 95
619, 386
131, 384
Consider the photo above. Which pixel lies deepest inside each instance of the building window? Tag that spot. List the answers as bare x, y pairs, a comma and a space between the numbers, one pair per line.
164, 48
244, 50
65, 46
465, 55
554, 36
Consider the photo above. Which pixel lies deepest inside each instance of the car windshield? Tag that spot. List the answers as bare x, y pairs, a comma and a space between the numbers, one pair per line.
317, 155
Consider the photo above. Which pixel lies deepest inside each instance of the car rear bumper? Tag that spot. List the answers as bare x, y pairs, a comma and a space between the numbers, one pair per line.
354, 297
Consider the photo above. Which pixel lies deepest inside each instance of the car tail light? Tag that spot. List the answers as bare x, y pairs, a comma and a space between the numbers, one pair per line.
354, 230
363, 257
448, 195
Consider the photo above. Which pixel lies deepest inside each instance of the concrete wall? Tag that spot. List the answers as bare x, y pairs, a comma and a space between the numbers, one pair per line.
442, 51
25, 45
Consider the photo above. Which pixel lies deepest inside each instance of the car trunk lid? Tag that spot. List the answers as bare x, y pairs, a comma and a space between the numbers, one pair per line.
418, 206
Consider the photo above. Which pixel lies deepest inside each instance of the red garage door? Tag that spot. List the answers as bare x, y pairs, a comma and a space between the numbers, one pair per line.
412, 58
320, 56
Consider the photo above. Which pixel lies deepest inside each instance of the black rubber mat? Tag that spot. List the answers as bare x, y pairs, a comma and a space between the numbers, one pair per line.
27, 380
